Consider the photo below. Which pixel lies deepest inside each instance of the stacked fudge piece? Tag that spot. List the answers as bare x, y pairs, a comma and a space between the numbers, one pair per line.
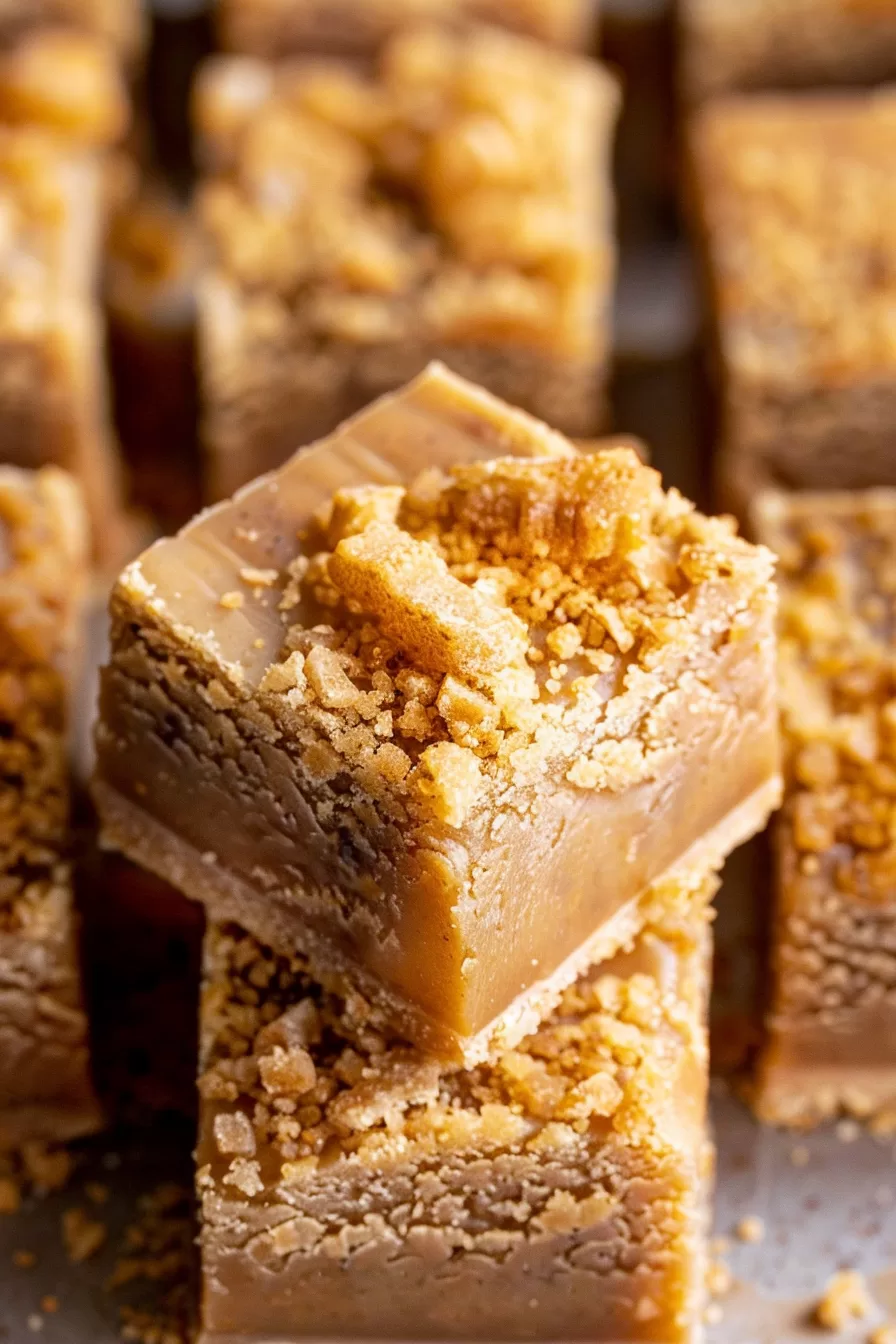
451, 758
45, 1088
452, 202
793, 195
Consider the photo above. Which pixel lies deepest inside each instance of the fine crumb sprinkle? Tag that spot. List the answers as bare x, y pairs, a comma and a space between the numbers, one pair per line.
846, 1298
83, 1236
848, 1131
157, 1250
258, 578
24, 1259
800, 1156
750, 1229
231, 601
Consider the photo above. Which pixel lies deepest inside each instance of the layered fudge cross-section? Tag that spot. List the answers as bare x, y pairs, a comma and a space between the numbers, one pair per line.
444, 741
454, 204
831, 1040
53, 395
352, 1188
277, 28
729, 45
794, 198
45, 1089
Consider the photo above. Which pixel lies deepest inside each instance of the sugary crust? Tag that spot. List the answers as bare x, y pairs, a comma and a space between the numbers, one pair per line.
833, 1009
582, 1148
273, 29
45, 1090
455, 204
729, 45
120, 22
66, 82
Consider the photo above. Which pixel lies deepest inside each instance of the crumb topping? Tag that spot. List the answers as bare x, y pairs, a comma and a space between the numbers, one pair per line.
797, 198
304, 1073
454, 192
838, 687
846, 1298
503, 618
67, 82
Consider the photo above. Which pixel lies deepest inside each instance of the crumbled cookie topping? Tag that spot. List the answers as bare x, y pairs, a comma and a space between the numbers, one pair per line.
454, 192
467, 632
293, 1068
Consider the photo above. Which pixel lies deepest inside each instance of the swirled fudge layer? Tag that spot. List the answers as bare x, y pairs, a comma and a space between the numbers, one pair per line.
350, 1188
454, 204
407, 738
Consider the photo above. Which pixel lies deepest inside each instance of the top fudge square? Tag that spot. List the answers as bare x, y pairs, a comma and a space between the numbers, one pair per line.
277, 28
796, 197
455, 205
443, 738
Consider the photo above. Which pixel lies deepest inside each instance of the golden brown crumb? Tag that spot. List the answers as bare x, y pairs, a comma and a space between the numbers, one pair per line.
718, 1278
24, 1259
83, 1236
846, 1298
231, 601
158, 1250
800, 1155
48, 1169
258, 578
96, 1192
49, 1304
750, 1229
884, 1334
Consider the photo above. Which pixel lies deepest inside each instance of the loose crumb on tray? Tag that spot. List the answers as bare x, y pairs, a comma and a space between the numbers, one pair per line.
884, 1334
83, 1236
846, 1298
750, 1229
158, 1251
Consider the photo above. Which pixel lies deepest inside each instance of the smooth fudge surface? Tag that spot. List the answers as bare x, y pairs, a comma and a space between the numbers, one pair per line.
729, 45
832, 1012
277, 28
444, 741
794, 200
455, 204
53, 394
45, 1087
351, 1188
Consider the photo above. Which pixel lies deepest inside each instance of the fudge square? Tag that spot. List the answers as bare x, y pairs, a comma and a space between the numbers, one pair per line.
53, 396
274, 29
350, 1188
456, 204
831, 1041
729, 45
45, 1089
794, 197
408, 743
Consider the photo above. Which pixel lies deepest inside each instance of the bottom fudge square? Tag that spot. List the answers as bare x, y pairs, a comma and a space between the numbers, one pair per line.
353, 1188
45, 1089
831, 1032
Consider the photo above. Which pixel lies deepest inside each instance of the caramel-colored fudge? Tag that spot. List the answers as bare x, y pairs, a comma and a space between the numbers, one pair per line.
832, 1018
456, 204
729, 45
352, 1189
406, 739
120, 23
795, 199
45, 1090
68, 83
274, 29
53, 395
